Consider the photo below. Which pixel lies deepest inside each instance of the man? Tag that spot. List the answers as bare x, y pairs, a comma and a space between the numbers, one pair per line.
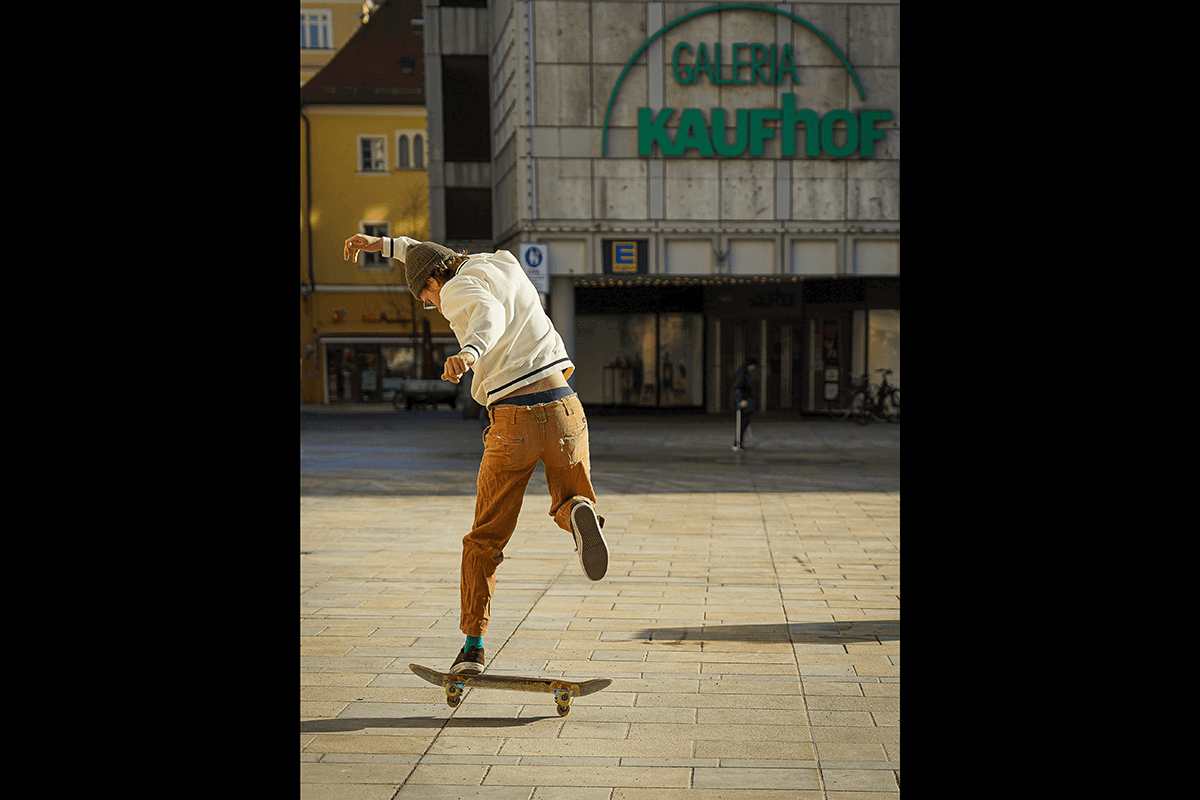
521, 370
743, 398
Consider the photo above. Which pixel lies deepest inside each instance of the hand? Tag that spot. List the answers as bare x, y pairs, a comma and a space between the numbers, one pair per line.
457, 366
743, 404
360, 241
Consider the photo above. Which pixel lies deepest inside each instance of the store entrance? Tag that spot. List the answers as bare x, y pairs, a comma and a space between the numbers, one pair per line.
776, 343
805, 364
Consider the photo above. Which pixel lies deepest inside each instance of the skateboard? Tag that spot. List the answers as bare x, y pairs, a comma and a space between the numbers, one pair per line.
563, 690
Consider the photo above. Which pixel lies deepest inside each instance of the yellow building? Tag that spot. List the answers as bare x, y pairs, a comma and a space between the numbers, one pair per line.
363, 169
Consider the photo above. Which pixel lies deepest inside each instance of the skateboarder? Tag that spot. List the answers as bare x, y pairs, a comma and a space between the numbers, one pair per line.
521, 369
743, 398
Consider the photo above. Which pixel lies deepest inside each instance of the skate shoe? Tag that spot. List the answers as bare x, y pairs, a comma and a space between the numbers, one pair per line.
470, 661
589, 541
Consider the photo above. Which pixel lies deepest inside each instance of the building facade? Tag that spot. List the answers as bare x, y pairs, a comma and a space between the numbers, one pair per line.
692, 185
364, 160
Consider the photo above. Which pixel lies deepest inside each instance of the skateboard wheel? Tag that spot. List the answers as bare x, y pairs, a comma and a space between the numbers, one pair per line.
453, 702
563, 699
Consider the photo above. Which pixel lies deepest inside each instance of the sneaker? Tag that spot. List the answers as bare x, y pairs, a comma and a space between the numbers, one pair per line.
470, 661
589, 541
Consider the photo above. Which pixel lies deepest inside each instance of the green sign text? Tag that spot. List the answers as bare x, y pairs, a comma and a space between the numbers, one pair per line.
752, 129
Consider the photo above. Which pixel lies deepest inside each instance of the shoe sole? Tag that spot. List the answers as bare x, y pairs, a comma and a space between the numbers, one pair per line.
465, 667
589, 542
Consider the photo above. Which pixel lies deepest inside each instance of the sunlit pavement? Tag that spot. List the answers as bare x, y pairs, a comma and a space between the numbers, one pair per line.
750, 618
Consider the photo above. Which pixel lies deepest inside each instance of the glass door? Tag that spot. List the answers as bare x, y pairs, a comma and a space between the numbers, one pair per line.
739, 339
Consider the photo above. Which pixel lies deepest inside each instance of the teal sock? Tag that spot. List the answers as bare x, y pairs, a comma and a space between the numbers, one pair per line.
473, 641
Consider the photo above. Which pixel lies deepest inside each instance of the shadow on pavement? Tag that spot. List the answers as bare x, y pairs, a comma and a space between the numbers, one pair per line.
793, 633
348, 724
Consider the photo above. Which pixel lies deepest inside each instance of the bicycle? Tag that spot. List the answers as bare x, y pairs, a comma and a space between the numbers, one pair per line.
886, 407
868, 401
859, 405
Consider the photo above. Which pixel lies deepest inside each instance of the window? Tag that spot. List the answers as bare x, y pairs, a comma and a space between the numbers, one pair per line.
468, 213
315, 30
466, 125
410, 150
649, 359
372, 154
375, 260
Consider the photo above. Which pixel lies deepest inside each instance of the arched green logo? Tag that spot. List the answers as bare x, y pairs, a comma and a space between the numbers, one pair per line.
701, 12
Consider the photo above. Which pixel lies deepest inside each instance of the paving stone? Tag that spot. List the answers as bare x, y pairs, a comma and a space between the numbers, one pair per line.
658, 777
755, 778
749, 620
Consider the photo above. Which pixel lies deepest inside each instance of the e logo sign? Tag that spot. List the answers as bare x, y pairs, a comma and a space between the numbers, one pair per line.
625, 256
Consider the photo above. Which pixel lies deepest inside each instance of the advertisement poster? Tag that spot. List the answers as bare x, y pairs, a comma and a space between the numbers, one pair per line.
829, 349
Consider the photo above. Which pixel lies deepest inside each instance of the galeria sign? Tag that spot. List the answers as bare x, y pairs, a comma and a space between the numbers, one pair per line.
750, 63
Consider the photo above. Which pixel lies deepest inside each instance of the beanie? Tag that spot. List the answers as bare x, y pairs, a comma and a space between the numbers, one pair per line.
421, 260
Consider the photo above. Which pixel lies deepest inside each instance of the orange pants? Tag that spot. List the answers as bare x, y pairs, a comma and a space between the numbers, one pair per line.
555, 434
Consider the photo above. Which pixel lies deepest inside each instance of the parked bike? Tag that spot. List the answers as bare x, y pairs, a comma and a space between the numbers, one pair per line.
886, 407
868, 401
859, 404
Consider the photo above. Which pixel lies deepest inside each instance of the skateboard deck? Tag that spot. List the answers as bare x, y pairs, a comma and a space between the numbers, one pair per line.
563, 690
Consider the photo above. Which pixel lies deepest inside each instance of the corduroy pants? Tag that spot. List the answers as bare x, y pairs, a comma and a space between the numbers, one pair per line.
555, 434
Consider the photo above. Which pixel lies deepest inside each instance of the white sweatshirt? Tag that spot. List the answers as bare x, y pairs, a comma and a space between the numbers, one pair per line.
494, 311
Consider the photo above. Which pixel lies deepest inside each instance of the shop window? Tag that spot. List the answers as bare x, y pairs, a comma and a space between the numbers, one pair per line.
373, 372
646, 360
883, 344
680, 359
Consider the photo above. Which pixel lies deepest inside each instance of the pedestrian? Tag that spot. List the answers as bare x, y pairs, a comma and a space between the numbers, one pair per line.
521, 369
743, 399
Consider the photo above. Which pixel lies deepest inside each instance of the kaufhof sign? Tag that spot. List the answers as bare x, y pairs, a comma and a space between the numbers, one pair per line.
751, 62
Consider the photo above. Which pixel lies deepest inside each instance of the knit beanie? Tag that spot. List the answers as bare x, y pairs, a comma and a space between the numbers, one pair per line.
421, 260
